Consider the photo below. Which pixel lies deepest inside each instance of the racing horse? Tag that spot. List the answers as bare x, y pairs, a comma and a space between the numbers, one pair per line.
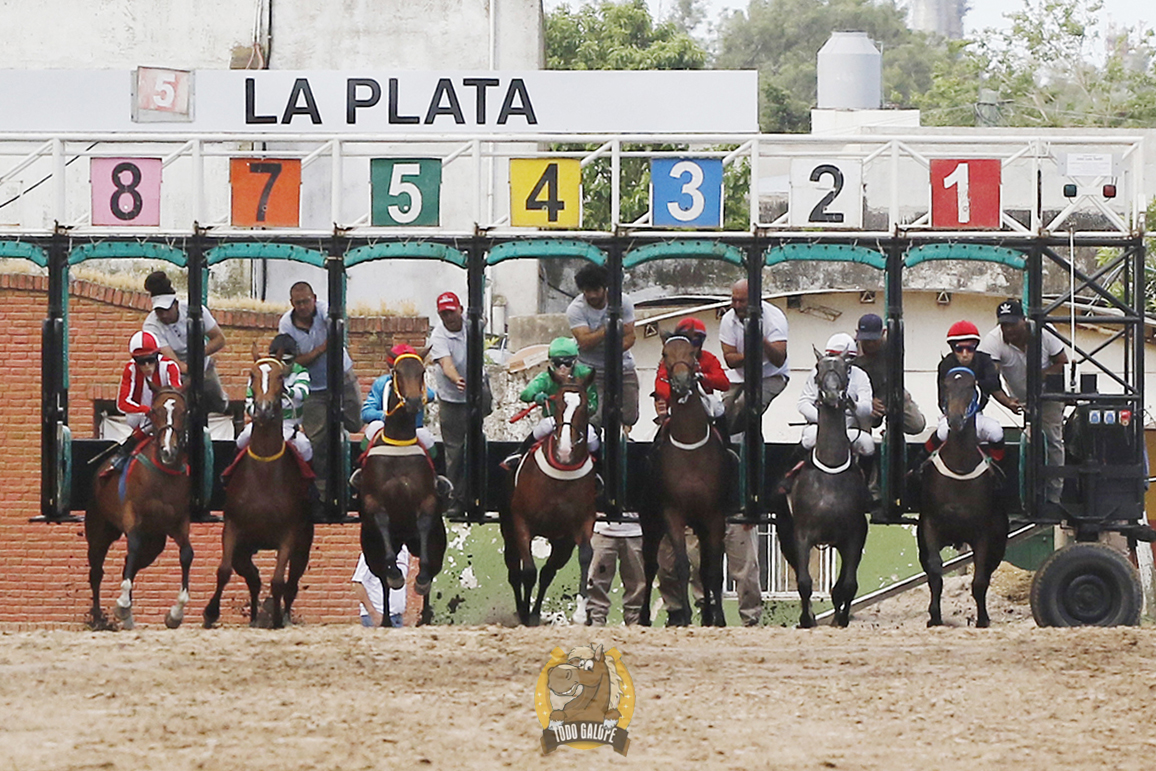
959, 502
552, 495
399, 501
266, 505
828, 502
147, 502
690, 466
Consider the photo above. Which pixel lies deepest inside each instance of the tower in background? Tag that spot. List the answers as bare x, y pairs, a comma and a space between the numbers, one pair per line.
942, 17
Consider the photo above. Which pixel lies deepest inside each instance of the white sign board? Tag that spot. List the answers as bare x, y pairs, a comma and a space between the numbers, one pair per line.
377, 102
826, 193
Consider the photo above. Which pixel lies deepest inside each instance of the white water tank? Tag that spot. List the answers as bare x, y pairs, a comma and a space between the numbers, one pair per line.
850, 73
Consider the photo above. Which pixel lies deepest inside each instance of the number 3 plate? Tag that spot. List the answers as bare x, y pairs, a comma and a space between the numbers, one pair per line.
826, 194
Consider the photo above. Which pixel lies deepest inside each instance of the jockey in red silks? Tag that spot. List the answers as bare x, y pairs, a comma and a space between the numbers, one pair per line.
147, 372
712, 378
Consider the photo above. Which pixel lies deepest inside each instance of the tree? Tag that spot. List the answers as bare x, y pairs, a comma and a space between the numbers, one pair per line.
1052, 67
782, 38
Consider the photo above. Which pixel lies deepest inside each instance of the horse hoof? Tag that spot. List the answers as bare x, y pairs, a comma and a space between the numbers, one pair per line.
207, 624
394, 579
535, 619
421, 585
933, 622
172, 623
126, 622
122, 612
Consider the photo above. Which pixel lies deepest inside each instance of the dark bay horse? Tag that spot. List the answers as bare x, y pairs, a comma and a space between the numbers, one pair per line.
690, 466
829, 500
553, 496
266, 506
960, 503
399, 501
147, 502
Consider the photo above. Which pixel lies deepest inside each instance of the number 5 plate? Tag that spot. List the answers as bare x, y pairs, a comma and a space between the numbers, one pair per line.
826, 193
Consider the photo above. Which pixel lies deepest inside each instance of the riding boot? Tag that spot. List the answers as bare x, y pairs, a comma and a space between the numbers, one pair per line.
513, 459
125, 450
868, 465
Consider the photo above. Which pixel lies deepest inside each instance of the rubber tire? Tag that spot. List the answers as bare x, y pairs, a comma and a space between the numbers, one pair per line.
1087, 584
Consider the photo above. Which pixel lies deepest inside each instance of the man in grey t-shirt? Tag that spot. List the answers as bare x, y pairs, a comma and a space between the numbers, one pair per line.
448, 350
587, 315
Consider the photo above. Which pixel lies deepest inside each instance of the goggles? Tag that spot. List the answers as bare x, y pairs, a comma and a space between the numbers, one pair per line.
143, 360
563, 361
964, 347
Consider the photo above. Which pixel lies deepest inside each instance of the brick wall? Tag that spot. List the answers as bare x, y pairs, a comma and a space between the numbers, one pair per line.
44, 568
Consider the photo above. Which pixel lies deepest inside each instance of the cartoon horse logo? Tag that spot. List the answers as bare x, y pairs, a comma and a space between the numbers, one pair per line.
584, 700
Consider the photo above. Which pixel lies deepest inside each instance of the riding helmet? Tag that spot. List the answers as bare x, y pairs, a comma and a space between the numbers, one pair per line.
962, 330
841, 344
563, 351
694, 329
143, 344
285, 344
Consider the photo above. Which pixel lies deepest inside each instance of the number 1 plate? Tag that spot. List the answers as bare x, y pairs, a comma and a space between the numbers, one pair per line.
826, 193
266, 192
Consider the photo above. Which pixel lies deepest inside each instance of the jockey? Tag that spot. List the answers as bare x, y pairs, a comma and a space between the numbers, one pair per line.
148, 371
373, 410
563, 354
712, 378
858, 390
963, 337
295, 388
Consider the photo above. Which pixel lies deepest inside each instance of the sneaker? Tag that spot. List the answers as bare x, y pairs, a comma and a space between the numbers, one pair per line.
579, 616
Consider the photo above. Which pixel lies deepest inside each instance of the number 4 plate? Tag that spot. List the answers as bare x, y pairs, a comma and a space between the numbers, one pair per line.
826, 194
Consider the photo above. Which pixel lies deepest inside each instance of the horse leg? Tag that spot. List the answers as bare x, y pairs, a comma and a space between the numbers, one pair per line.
391, 576
677, 533
847, 585
932, 564
123, 607
176, 613
560, 551
802, 567
431, 531
519, 565
100, 535
989, 550
243, 565
711, 573
212, 611
298, 561
277, 585
650, 542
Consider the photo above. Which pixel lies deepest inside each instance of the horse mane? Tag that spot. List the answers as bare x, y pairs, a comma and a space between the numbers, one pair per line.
586, 653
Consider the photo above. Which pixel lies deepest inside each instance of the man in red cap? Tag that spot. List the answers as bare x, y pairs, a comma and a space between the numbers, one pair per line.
963, 337
448, 350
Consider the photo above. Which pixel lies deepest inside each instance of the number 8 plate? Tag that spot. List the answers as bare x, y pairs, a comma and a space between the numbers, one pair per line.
826, 193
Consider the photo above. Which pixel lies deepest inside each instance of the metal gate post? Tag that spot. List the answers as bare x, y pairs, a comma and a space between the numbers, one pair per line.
336, 492
54, 388
612, 405
753, 385
894, 463
1034, 479
475, 450
195, 390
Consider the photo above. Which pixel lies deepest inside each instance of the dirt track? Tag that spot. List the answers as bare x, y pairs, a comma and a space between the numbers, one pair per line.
885, 694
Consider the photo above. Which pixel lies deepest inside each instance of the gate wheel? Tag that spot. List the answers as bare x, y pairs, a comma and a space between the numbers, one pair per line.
1087, 584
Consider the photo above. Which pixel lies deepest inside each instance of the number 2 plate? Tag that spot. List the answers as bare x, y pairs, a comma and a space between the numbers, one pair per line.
826, 193
266, 192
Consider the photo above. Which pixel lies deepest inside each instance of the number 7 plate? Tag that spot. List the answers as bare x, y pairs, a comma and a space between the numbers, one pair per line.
826, 193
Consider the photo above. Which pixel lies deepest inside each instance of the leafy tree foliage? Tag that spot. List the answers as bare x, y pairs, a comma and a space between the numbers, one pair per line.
617, 36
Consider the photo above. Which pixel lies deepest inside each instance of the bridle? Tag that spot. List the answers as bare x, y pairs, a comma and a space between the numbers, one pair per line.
973, 407
265, 366
167, 430
396, 395
691, 366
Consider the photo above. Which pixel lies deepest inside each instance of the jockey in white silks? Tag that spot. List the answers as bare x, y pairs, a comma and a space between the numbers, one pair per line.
858, 391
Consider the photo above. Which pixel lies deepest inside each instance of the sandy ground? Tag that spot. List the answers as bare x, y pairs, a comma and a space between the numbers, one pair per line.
887, 693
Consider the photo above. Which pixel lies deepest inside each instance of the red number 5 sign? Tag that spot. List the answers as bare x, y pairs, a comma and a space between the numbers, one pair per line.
965, 193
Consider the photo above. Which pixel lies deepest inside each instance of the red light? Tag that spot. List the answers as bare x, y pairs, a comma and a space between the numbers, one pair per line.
1109, 191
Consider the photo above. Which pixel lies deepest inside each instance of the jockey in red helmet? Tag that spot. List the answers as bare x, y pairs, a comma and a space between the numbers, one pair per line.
963, 338
144, 374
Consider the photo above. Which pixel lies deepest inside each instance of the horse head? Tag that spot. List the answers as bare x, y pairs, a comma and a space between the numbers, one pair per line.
408, 388
962, 397
678, 354
570, 416
832, 374
266, 380
168, 418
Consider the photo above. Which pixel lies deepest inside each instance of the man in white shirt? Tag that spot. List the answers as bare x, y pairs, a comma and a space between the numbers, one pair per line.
732, 337
1007, 345
370, 593
169, 324
587, 315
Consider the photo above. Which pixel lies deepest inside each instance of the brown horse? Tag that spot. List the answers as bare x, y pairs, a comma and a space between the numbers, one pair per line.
960, 504
266, 505
399, 501
553, 496
148, 501
690, 466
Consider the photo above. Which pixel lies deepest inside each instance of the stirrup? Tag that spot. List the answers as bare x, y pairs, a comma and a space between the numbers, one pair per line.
444, 486
355, 479
511, 461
